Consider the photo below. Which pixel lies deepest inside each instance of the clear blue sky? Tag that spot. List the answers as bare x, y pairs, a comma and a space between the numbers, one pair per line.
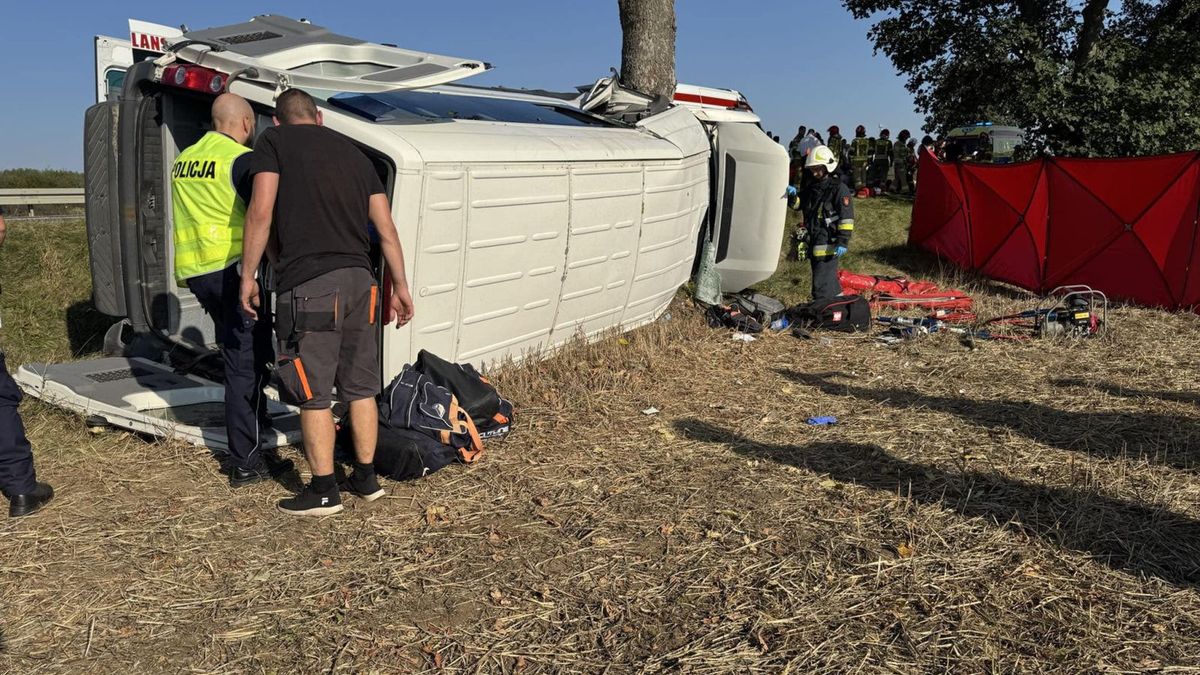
755, 47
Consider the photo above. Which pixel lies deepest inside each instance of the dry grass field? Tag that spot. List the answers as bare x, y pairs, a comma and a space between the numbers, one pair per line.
1013, 507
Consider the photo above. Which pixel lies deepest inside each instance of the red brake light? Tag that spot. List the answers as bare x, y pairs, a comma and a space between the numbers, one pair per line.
194, 78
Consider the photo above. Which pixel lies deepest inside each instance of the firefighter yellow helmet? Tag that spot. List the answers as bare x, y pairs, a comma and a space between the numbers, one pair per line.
821, 156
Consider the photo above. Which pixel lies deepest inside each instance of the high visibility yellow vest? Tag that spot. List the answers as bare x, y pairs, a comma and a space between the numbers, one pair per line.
208, 213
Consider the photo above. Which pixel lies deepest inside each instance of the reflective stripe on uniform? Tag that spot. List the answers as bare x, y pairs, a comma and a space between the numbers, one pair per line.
846, 225
823, 251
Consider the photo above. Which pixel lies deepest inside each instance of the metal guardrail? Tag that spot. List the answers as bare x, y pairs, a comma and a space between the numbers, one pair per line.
32, 196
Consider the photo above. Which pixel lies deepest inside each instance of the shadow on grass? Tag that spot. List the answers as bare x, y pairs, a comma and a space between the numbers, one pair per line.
1160, 439
1124, 535
85, 328
1129, 392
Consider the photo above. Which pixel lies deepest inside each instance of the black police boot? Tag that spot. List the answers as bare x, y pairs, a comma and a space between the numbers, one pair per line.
267, 469
23, 505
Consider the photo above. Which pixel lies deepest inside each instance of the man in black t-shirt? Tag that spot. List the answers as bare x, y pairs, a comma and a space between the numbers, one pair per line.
318, 191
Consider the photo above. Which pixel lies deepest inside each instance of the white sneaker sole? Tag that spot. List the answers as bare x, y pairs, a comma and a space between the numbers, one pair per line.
373, 496
313, 512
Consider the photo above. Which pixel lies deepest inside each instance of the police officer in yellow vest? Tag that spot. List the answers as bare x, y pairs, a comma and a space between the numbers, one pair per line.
210, 187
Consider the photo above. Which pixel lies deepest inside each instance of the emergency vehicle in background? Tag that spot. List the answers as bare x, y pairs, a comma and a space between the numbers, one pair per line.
986, 142
528, 217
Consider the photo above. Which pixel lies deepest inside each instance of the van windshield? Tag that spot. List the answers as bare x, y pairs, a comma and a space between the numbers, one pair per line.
415, 106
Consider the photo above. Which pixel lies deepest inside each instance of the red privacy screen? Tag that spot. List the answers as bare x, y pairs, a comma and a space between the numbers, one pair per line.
1123, 226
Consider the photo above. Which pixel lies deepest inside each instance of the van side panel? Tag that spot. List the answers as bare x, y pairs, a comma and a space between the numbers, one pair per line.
437, 260
521, 237
516, 245
676, 198
606, 216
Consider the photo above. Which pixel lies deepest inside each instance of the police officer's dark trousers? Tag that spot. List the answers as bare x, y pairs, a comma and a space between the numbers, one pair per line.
247, 350
16, 456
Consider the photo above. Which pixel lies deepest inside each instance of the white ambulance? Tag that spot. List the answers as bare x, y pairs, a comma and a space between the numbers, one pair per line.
528, 218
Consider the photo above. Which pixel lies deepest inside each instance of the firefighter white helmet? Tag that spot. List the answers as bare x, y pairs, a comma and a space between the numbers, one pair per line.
821, 156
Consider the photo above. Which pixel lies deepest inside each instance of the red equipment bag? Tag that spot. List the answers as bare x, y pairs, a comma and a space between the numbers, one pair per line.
900, 293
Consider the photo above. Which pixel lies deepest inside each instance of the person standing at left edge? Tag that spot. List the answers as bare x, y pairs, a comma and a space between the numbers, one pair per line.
210, 188
17, 477
829, 220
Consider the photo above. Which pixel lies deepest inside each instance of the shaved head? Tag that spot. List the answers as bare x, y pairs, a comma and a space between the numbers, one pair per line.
232, 115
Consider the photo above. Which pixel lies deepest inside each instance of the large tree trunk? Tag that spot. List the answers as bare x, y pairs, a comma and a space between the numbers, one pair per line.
1091, 25
648, 46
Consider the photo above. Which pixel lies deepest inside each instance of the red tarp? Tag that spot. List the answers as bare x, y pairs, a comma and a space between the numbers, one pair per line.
1126, 227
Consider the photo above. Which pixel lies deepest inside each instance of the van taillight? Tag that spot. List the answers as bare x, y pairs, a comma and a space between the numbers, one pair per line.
194, 78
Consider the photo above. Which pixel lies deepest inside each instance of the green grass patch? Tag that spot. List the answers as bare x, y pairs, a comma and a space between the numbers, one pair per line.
46, 304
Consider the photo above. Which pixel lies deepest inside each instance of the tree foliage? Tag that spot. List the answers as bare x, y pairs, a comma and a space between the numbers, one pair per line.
40, 178
1080, 78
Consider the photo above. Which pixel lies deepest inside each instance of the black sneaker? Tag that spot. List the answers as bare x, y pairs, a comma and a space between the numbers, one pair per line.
311, 503
263, 471
364, 487
23, 505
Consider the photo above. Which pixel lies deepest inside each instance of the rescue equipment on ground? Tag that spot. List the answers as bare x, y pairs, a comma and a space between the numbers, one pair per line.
763, 308
433, 414
1072, 311
728, 316
745, 312
901, 293
491, 413
844, 314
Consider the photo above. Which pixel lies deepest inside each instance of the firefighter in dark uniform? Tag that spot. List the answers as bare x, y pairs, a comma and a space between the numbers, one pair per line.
911, 172
828, 212
900, 155
838, 146
881, 160
860, 156
17, 477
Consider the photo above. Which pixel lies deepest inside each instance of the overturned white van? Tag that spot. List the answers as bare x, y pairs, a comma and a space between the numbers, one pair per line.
528, 218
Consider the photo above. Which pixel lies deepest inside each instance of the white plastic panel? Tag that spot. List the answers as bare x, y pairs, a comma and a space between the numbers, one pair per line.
516, 245
676, 195
438, 261
751, 205
606, 218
